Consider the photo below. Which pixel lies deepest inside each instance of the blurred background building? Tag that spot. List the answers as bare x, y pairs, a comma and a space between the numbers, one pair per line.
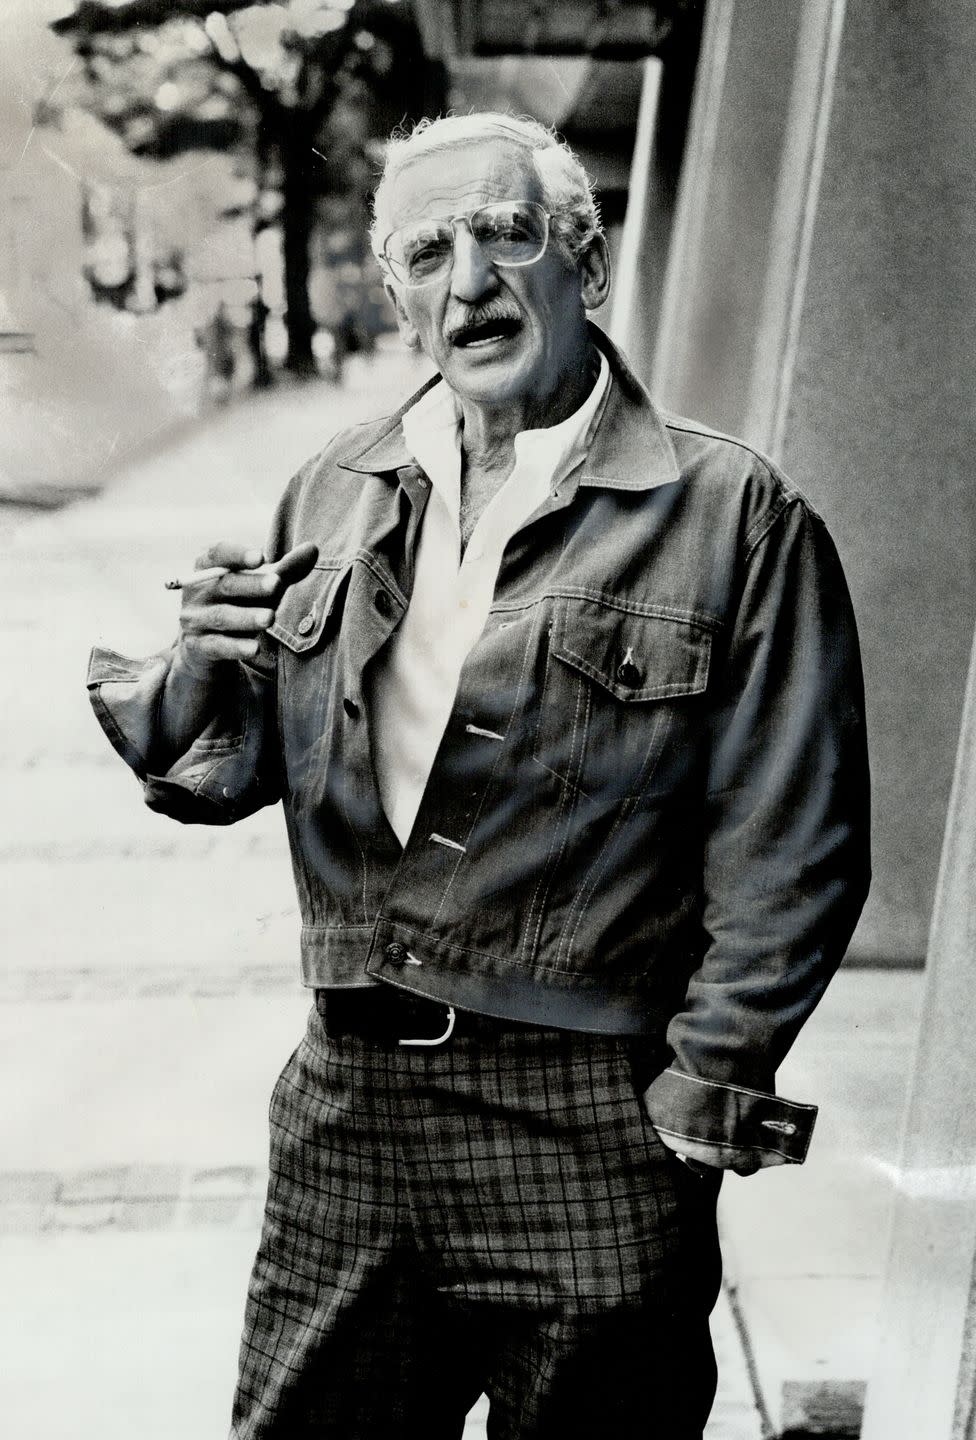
788, 188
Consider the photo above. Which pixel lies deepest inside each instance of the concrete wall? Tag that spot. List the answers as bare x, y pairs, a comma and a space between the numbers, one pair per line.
821, 299
882, 416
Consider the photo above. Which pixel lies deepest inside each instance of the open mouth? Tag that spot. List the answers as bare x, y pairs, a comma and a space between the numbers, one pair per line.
485, 332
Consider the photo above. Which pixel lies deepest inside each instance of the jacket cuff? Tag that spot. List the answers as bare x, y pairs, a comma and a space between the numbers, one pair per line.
712, 1113
194, 792
220, 778
125, 696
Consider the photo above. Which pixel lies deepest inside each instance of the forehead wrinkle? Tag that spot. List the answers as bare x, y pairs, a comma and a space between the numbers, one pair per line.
508, 175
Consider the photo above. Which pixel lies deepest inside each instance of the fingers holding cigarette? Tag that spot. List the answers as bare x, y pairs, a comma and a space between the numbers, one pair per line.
229, 601
245, 572
209, 572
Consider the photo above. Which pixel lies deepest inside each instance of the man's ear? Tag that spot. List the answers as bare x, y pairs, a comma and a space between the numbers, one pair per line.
594, 267
408, 331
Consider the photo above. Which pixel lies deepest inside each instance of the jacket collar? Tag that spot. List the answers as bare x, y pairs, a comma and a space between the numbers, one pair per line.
631, 449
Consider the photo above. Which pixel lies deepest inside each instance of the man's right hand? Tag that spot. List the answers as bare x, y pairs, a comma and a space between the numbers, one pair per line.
223, 619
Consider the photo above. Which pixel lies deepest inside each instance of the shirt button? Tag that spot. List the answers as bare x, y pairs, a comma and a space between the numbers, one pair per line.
396, 954
351, 708
306, 623
628, 674
383, 603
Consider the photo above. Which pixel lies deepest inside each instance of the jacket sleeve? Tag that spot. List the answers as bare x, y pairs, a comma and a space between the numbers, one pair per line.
235, 766
786, 848
228, 772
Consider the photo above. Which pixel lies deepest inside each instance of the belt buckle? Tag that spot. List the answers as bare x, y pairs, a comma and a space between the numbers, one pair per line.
437, 1039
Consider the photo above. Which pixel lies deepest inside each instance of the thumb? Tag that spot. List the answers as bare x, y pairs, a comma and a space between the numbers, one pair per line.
296, 564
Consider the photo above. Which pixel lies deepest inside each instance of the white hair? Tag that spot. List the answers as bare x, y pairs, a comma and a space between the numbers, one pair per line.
567, 190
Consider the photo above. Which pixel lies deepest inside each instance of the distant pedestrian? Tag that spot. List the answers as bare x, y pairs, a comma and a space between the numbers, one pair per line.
216, 339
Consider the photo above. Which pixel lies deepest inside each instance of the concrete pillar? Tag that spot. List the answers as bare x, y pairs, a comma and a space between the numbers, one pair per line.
635, 271
821, 299
700, 361
925, 1380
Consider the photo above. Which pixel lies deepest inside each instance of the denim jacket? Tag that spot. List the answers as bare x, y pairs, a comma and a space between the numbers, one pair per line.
648, 815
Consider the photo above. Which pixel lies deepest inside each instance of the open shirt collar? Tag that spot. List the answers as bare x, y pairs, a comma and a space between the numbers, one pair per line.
631, 449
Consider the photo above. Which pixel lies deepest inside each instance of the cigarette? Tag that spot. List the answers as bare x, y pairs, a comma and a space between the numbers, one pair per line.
213, 573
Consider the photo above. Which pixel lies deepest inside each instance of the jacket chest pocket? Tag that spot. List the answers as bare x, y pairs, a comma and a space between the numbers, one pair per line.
307, 623
310, 609
619, 689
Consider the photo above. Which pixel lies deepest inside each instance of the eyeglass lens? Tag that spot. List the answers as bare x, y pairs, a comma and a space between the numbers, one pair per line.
508, 232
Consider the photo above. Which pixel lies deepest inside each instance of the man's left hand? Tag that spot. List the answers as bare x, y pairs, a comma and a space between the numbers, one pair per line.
700, 1158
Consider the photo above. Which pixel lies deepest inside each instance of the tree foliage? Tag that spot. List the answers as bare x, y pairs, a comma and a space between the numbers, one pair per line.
299, 86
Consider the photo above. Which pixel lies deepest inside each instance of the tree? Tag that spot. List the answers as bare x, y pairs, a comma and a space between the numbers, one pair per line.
298, 85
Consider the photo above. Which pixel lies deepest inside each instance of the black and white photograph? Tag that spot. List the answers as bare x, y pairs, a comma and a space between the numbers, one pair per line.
488, 569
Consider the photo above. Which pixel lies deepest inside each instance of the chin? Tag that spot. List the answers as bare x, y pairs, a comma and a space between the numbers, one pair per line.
491, 381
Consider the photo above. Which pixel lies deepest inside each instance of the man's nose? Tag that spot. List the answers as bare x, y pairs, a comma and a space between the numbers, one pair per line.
472, 275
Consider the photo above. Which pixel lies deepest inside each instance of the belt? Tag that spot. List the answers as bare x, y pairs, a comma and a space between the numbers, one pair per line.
391, 1016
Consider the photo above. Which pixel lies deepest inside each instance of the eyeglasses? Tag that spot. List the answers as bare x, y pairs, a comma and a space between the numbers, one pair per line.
508, 233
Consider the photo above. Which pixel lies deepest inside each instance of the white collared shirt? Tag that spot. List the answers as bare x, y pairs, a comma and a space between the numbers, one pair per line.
417, 675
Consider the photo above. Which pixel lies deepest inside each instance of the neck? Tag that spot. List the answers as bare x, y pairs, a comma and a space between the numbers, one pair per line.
488, 432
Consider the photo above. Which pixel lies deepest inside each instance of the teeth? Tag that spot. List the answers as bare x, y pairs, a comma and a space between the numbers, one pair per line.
483, 339
487, 332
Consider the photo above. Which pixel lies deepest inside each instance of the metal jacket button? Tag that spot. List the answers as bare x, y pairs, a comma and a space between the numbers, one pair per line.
628, 674
306, 623
383, 603
396, 954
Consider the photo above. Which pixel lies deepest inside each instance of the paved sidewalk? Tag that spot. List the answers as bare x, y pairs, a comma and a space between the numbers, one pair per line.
149, 996
806, 1247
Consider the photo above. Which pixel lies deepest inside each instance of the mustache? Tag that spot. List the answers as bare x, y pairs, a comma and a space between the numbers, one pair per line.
458, 322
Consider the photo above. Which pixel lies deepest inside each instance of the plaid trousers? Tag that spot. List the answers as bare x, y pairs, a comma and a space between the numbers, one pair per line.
496, 1214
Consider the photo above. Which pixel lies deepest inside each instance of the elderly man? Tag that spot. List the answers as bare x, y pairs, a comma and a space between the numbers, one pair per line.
563, 700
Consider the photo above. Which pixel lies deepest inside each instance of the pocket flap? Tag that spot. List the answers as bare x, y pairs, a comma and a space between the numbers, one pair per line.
636, 656
306, 606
